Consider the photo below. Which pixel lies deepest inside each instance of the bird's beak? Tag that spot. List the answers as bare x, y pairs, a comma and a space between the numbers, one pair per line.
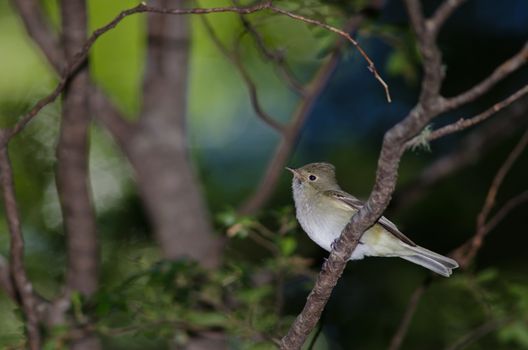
293, 171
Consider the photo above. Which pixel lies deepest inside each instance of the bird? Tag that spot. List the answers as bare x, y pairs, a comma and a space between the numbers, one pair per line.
323, 210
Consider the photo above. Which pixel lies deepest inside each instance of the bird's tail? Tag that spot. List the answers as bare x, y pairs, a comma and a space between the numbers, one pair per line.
440, 264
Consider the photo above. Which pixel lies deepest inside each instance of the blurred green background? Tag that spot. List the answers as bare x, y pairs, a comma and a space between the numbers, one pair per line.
230, 147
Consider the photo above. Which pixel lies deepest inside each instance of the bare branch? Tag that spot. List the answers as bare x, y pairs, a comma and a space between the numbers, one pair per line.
371, 66
252, 89
468, 151
442, 13
462, 123
501, 72
22, 284
40, 31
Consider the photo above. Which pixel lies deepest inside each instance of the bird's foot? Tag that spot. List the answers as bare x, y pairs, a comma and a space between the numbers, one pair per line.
333, 244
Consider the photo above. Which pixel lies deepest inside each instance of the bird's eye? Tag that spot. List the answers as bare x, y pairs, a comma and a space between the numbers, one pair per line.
312, 177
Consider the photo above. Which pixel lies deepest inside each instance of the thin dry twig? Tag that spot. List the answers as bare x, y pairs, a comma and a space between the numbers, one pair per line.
371, 66
468, 151
463, 123
22, 284
505, 69
442, 13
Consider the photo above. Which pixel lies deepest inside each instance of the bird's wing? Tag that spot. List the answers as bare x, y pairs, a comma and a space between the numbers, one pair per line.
356, 204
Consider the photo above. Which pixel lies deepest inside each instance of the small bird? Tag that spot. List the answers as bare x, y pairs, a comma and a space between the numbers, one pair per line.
323, 210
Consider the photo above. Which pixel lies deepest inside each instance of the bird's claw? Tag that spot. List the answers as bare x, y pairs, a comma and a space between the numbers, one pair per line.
334, 243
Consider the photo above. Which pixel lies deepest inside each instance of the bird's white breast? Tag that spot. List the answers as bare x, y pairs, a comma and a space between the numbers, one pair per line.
324, 226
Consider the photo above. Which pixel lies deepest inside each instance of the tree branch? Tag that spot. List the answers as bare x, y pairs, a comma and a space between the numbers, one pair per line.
467, 152
442, 13
501, 72
371, 66
22, 284
72, 158
462, 123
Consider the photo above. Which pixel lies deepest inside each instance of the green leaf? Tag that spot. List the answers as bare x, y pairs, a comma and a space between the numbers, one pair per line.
287, 245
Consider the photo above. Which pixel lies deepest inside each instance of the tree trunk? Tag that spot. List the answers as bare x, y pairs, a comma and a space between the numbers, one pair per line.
157, 148
72, 169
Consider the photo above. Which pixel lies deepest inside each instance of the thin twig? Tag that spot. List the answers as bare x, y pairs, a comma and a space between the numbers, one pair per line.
501, 72
463, 123
22, 284
468, 151
442, 13
371, 66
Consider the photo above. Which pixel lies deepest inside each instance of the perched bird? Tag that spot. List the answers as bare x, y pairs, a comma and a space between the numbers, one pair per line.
323, 210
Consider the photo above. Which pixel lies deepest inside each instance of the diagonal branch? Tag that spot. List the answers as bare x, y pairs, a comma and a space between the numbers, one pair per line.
21, 282
442, 13
501, 72
470, 149
463, 123
371, 66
